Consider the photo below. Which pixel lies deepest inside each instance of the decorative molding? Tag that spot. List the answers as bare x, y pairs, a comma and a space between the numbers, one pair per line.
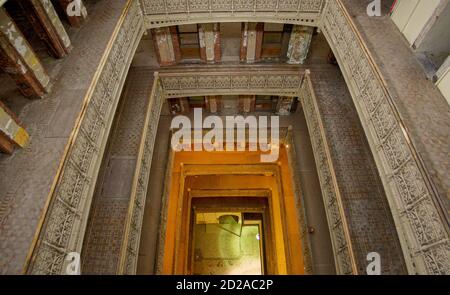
159, 13
234, 82
66, 216
421, 225
18, 59
339, 232
12, 131
133, 226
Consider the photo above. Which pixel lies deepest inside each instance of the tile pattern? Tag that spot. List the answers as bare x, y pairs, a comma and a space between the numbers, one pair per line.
105, 232
370, 222
104, 236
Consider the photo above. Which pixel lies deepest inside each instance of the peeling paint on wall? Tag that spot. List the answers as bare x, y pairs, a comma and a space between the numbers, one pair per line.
299, 44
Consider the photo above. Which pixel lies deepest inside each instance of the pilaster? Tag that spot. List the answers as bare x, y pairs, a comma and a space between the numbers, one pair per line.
251, 43
12, 133
48, 26
210, 42
18, 59
167, 45
299, 44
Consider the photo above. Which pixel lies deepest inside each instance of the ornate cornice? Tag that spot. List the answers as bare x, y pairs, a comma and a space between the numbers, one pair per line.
232, 82
158, 13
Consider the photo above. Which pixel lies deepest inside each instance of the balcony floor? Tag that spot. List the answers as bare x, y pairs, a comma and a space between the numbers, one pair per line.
423, 108
27, 176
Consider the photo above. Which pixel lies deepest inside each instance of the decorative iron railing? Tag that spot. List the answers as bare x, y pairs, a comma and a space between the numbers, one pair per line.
70, 200
159, 13
232, 82
135, 215
334, 209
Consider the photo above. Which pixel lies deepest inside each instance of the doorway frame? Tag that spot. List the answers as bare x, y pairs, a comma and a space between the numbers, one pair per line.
245, 201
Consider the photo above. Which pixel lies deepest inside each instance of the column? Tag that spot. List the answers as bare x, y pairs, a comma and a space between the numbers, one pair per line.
213, 104
75, 11
179, 106
12, 133
299, 44
48, 26
167, 45
284, 105
244, 42
259, 31
18, 59
247, 103
173, 30
251, 42
185, 107
210, 42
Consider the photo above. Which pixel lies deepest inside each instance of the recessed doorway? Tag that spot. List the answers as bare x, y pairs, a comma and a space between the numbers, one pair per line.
229, 239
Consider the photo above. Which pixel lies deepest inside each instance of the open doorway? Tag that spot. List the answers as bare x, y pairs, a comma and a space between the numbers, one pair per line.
228, 240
